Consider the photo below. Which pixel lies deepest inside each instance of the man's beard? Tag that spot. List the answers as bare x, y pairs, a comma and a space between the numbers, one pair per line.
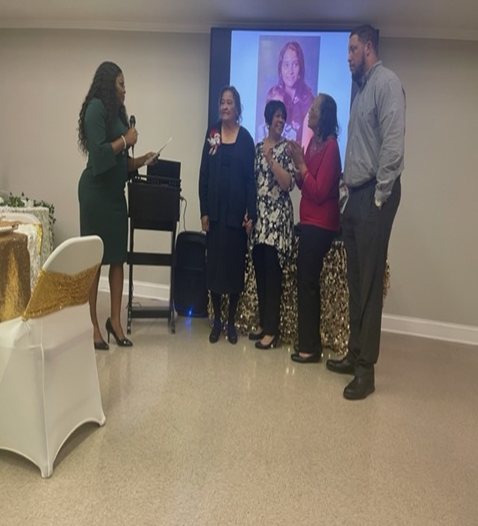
359, 71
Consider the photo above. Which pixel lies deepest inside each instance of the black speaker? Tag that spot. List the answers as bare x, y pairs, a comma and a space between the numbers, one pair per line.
190, 288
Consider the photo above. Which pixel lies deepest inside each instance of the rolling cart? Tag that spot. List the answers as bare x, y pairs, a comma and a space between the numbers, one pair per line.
153, 204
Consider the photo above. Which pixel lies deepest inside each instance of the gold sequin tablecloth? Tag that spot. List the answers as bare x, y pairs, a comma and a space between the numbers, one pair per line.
14, 275
43, 215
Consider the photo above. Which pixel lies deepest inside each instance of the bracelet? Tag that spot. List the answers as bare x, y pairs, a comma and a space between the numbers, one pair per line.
124, 142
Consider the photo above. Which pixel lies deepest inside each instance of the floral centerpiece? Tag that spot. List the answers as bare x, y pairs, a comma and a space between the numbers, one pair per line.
23, 201
214, 141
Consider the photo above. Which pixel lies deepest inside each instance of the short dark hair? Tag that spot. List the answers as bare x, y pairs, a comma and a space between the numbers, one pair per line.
366, 33
328, 124
271, 108
237, 100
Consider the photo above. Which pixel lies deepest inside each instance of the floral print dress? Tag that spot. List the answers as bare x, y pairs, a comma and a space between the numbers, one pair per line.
275, 215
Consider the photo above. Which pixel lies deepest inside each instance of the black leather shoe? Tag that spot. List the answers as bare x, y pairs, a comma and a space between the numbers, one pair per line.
313, 358
360, 387
254, 336
231, 334
101, 346
122, 343
343, 366
271, 345
215, 333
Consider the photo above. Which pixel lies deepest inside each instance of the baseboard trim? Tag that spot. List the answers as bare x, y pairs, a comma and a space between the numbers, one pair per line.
434, 330
141, 289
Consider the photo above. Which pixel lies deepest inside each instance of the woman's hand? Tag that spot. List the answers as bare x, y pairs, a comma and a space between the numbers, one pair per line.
296, 152
151, 158
131, 137
205, 223
247, 224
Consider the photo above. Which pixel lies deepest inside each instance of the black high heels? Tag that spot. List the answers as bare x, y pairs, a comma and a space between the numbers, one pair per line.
101, 346
254, 336
311, 358
271, 345
121, 343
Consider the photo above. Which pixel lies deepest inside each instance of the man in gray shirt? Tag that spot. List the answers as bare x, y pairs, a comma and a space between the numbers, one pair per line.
373, 165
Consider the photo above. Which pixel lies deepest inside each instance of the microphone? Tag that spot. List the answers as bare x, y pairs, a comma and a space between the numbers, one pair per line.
132, 124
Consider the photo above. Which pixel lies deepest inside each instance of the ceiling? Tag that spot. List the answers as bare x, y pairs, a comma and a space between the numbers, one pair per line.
455, 19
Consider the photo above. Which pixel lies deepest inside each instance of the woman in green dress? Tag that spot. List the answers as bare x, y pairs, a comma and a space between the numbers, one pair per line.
104, 135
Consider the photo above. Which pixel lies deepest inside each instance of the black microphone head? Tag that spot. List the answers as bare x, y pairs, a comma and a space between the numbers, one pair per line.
132, 121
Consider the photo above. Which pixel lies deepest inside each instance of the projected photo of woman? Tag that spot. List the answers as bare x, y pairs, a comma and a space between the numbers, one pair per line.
292, 87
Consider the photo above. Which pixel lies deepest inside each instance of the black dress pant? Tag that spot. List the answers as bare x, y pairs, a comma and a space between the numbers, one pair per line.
269, 286
366, 232
314, 243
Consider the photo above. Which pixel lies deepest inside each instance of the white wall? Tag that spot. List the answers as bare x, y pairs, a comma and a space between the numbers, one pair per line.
433, 254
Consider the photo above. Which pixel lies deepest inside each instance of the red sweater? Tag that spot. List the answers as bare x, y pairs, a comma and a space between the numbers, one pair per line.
319, 205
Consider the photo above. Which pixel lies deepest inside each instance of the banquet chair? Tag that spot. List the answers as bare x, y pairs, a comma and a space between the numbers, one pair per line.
48, 376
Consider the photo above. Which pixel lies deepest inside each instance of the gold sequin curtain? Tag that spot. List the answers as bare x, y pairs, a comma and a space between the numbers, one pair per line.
334, 300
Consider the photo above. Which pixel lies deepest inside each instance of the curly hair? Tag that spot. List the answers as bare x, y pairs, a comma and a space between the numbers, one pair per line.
103, 87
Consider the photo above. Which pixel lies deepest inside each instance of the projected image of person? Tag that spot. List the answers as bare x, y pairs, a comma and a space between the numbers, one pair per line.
318, 177
297, 95
272, 234
104, 135
227, 199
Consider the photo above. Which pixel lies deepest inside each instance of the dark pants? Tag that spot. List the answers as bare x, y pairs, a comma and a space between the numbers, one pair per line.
366, 232
314, 243
269, 286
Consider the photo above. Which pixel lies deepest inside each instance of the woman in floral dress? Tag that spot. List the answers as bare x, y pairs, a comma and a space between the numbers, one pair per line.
272, 235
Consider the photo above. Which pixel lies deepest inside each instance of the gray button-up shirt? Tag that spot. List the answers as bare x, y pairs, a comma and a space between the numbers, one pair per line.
376, 133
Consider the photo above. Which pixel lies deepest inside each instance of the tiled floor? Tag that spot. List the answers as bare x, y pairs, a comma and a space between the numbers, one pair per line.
204, 435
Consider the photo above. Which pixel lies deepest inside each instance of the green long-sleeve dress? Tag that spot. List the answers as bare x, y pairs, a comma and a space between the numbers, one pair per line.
101, 195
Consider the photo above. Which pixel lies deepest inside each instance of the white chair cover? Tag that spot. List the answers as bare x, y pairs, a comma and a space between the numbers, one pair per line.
48, 375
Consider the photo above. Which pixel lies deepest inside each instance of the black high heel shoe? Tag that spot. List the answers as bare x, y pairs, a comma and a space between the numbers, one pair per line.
122, 343
271, 345
254, 336
101, 346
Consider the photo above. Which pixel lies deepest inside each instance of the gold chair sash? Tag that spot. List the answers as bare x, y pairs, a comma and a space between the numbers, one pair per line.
55, 291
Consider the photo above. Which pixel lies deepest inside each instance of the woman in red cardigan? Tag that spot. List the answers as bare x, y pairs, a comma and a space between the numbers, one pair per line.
318, 178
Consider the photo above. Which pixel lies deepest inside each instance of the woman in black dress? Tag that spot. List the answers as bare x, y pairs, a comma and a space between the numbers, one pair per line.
104, 135
227, 198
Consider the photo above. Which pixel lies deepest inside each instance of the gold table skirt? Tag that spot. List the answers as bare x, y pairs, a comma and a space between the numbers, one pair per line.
334, 321
14, 275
